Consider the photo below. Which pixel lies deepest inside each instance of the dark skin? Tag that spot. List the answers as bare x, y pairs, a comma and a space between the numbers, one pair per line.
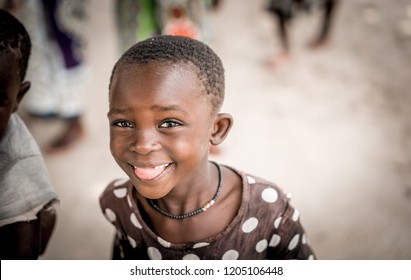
162, 126
21, 240
12, 90
203, 225
27, 240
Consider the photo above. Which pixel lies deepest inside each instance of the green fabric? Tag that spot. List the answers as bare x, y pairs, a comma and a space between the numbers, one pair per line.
137, 20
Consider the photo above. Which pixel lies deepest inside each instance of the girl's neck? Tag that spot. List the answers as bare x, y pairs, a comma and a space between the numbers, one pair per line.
192, 195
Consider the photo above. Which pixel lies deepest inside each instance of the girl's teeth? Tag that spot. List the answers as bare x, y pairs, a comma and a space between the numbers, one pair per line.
161, 166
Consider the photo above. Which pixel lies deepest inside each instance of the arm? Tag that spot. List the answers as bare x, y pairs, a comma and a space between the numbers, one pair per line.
27, 240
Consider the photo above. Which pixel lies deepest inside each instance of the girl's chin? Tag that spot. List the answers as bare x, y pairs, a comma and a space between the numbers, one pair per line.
150, 193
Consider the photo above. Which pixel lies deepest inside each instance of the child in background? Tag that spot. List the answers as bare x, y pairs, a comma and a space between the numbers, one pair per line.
165, 96
27, 214
136, 20
285, 10
58, 66
184, 18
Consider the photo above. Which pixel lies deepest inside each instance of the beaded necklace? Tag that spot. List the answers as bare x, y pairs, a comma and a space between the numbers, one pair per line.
195, 212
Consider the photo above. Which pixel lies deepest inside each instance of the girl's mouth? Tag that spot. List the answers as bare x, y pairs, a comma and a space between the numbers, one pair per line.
150, 173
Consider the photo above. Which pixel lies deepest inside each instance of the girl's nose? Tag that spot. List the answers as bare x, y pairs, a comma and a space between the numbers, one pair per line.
144, 143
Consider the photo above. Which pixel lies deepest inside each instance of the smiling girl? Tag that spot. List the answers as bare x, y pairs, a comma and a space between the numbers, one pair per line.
165, 96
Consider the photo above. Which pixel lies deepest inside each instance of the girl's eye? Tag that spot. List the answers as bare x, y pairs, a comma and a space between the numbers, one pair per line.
169, 124
122, 124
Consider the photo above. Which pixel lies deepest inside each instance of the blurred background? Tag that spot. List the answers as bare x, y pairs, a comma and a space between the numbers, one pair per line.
331, 125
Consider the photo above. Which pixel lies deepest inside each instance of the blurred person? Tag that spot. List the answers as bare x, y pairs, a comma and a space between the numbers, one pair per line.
136, 20
184, 18
27, 213
215, 4
165, 96
57, 68
285, 10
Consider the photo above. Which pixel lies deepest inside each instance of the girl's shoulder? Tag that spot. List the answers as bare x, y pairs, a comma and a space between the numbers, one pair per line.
257, 184
117, 188
259, 193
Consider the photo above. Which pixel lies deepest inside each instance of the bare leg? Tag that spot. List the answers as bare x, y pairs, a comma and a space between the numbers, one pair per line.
283, 33
215, 4
72, 132
284, 41
27, 240
328, 15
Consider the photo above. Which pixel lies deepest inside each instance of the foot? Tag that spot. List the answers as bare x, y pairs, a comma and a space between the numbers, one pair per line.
71, 134
278, 59
319, 43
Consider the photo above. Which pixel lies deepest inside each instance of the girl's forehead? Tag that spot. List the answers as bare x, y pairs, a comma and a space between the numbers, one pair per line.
157, 79
161, 68
159, 86
154, 76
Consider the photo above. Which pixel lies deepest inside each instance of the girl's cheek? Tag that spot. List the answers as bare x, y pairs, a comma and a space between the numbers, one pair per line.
117, 144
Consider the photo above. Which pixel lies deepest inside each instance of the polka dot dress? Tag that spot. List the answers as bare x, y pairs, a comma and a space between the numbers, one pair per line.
266, 227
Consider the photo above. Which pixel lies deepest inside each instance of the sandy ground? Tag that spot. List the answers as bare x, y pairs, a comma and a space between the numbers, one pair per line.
332, 127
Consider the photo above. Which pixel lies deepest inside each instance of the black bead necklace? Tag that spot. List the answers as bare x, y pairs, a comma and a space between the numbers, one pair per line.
197, 211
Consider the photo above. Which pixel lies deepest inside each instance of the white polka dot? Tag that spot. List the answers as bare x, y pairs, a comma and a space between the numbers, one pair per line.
250, 225
201, 244
261, 246
132, 242
304, 239
311, 257
154, 253
250, 180
275, 240
163, 242
110, 214
120, 193
294, 242
129, 201
277, 222
289, 195
120, 182
134, 221
230, 255
269, 195
191, 257
296, 215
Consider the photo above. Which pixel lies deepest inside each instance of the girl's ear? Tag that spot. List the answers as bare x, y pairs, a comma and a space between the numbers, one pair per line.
221, 127
24, 88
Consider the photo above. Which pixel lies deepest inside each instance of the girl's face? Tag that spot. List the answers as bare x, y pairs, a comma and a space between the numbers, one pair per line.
160, 127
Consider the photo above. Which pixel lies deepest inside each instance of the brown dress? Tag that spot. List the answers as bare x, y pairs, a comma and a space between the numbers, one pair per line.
265, 227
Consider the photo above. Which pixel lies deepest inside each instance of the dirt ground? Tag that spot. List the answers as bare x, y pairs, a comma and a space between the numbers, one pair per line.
332, 127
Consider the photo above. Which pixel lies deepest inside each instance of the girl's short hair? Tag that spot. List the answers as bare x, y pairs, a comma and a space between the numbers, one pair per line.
174, 50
